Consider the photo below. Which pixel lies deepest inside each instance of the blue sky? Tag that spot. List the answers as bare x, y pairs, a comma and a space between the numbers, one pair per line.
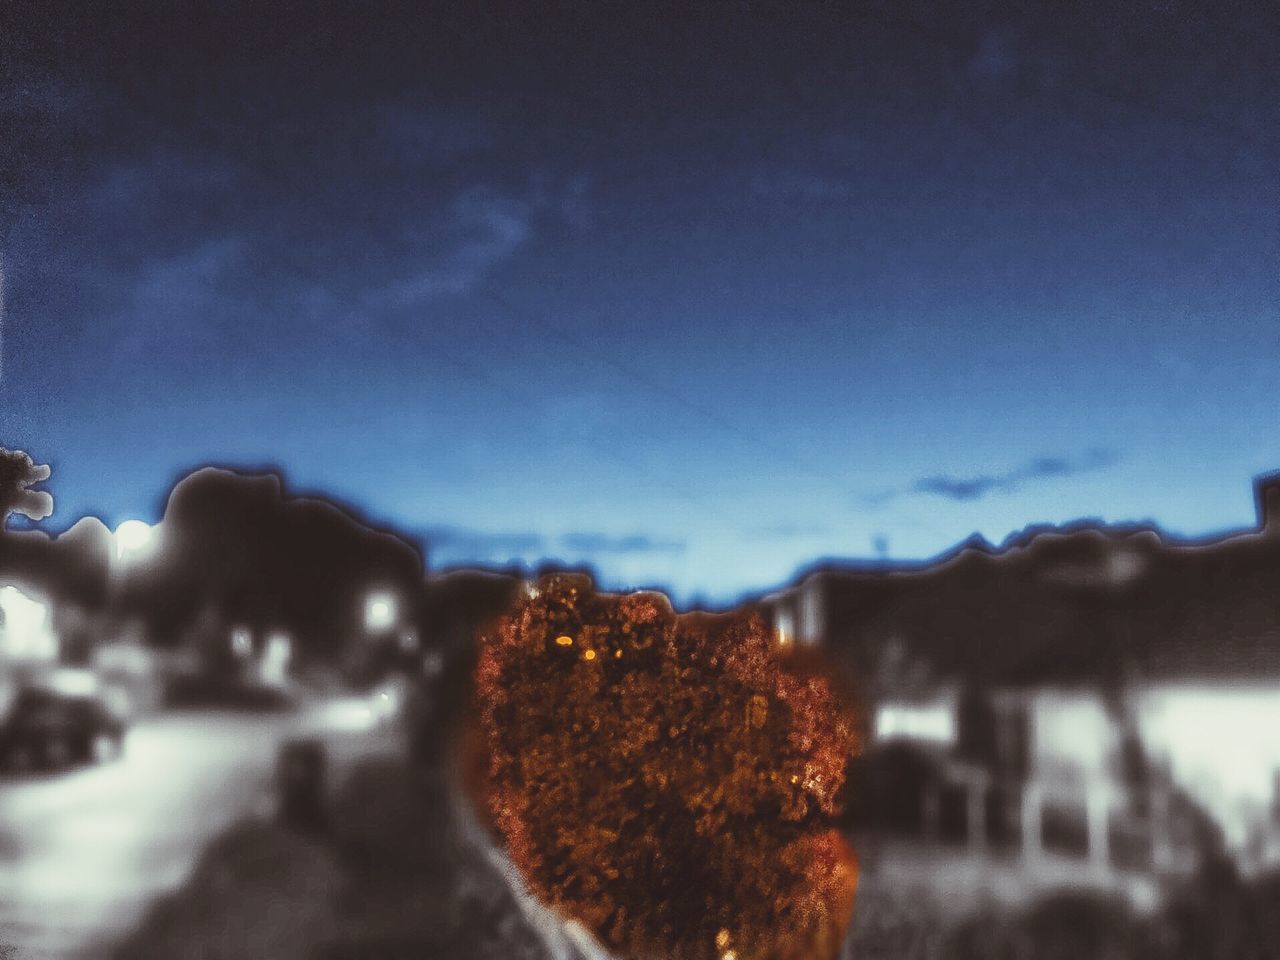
693, 297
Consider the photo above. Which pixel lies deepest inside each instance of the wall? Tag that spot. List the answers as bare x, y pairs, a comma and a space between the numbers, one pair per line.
1222, 744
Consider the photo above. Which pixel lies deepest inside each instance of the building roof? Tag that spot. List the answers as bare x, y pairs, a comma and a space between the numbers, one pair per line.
1088, 604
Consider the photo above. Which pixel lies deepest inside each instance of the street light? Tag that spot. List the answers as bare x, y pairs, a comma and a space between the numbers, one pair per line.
379, 611
133, 538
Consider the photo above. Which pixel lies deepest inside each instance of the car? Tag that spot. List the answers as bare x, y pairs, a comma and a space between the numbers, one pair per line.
48, 729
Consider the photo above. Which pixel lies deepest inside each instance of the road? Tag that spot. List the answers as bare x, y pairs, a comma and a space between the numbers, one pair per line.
83, 853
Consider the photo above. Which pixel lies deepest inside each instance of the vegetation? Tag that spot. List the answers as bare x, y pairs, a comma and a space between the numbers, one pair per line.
18, 474
668, 782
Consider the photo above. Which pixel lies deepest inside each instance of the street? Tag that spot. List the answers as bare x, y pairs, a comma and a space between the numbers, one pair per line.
83, 853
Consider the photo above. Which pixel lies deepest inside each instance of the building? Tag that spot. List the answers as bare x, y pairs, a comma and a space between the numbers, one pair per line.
1096, 694
26, 627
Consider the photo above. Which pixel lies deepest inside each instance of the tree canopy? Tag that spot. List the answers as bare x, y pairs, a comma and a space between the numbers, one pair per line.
239, 545
18, 474
669, 782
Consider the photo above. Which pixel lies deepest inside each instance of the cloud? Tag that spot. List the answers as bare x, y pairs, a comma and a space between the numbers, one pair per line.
167, 287
1006, 59
574, 205
472, 544
801, 187
479, 230
434, 134
971, 488
598, 543
968, 489
997, 57
461, 543
788, 531
160, 178
171, 310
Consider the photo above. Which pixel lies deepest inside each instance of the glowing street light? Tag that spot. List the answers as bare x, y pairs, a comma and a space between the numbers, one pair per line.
242, 643
379, 611
133, 538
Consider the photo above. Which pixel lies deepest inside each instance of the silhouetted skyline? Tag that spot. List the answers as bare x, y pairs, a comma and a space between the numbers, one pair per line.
695, 297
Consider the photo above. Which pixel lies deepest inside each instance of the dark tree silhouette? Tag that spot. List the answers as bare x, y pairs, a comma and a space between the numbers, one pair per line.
238, 547
18, 474
71, 567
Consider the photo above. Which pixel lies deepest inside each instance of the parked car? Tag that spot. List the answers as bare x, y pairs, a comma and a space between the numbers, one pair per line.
48, 729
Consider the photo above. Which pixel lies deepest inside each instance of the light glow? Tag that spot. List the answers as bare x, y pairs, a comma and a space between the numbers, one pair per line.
348, 714
274, 668
433, 664
71, 682
933, 722
379, 611
133, 540
25, 630
241, 642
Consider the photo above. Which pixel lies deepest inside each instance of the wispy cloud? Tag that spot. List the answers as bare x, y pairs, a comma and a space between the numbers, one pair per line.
174, 306
997, 57
601, 543
1006, 59
462, 543
797, 187
474, 544
964, 489
787, 531
479, 230
574, 204
476, 231
432, 133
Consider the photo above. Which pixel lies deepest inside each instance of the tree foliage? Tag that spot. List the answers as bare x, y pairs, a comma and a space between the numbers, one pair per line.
239, 545
667, 781
18, 473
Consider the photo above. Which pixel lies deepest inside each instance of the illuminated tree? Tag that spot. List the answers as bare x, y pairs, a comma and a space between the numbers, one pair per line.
667, 781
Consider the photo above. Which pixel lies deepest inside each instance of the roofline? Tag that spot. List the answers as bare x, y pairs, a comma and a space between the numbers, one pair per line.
977, 545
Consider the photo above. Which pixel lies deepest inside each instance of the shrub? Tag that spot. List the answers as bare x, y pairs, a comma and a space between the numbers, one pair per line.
669, 782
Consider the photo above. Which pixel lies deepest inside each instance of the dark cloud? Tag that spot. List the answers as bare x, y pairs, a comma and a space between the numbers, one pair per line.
967, 489
1041, 468
462, 544
471, 544
787, 531
597, 543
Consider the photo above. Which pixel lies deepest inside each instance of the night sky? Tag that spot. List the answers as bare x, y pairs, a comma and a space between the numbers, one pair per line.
695, 296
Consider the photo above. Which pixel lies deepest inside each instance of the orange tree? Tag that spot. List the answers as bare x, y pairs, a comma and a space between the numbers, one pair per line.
666, 781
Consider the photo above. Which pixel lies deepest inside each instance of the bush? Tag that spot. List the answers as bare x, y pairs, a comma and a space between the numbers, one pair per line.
669, 782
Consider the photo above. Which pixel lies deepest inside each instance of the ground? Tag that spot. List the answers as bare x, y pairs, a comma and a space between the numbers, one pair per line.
399, 875
83, 852
402, 872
